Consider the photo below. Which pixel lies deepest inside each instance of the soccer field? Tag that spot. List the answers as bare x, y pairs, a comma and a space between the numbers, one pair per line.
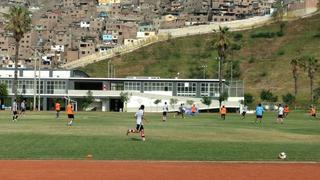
203, 137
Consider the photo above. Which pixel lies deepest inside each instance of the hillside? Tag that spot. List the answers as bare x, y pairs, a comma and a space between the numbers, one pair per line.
264, 62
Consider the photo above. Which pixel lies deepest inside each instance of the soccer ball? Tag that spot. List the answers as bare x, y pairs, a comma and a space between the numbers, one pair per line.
282, 155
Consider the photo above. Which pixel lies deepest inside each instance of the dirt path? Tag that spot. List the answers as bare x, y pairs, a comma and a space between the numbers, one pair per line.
145, 170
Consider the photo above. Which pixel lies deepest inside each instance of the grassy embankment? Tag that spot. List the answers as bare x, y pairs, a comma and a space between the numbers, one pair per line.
264, 62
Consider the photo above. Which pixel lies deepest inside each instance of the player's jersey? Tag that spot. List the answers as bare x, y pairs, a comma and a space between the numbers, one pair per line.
280, 110
57, 106
14, 106
69, 109
259, 110
245, 109
223, 110
139, 116
165, 108
23, 105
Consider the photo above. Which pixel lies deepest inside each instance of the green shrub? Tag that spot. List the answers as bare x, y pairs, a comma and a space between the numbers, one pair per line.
237, 36
263, 35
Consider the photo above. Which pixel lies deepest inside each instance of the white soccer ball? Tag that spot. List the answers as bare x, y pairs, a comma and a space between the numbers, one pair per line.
282, 155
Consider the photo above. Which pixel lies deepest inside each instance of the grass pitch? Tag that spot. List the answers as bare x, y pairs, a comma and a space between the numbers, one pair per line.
204, 137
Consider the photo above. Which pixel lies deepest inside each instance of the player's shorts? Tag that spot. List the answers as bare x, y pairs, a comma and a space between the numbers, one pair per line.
15, 112
314, 115
244, 113
164, 113
139, 127
58, 110
23, 110
280, 116
223, 115
259, 116
70, 116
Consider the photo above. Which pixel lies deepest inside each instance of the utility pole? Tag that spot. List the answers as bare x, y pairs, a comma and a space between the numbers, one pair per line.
39, 100
35, 80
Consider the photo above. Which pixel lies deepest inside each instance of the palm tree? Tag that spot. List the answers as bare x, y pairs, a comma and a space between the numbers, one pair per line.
311, 65
295, 64
223, 46
18, 22
279, 10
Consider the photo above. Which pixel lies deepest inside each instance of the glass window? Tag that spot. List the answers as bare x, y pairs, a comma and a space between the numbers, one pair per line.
186, 89
157, 86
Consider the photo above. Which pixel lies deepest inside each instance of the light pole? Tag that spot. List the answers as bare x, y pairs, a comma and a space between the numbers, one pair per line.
35, 80
204, 71
39, 64
220, 59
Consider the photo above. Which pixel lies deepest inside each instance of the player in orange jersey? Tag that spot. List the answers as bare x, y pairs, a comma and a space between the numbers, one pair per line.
70, 113
223, 112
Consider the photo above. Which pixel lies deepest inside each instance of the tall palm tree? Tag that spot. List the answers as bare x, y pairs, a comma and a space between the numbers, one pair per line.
279, 11
311, 65
223, 46
295, 64
18, 22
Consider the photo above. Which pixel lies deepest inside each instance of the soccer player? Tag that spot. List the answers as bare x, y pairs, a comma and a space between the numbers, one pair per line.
313, 111
223, 112
286, 111
280, 114
57, 107
181, 110
139, 121
193, 110
70, 113
22, 107
14, 111
165, 110
259, 113
244, 112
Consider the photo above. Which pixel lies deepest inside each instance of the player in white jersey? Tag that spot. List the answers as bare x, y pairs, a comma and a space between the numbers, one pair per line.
22, 108
139, 121
14, 109
165, 110
280, 114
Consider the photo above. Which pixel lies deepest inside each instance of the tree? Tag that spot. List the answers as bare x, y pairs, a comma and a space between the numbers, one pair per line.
206, 100
125, 96
311, 65
3, 92
224, 96
223, 46
267, 95
173, 102
87, 100
190, 102
156, 102
295, 64
18, 22
289, 99
248, 99
316, 95
279, 11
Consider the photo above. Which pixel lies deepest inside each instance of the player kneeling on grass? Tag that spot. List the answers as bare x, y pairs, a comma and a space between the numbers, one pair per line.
70, 113
139, 119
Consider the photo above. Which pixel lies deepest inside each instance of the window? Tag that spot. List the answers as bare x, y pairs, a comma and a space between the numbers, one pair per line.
186, 89
132, 86
157, 86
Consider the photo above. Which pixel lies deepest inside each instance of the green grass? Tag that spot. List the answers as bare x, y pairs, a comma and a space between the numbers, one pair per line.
204, 137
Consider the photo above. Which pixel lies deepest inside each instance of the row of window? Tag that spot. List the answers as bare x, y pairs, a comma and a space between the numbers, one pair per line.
27, 86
